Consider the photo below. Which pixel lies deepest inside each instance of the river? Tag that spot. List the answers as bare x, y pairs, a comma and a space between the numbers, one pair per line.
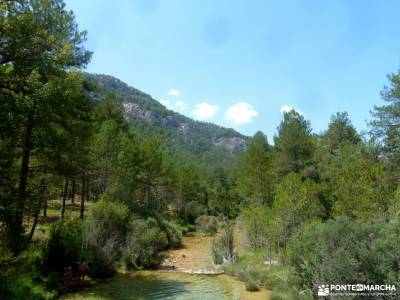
180, 284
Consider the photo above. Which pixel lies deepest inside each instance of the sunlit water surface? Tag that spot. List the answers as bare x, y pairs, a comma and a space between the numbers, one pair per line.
159, 285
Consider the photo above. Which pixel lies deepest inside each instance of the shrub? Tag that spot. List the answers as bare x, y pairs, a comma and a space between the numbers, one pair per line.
251, 285
173, 234
193, 210
208, 225
145, 243
105, 230
290, 294
109, 215
255, 228
350, 252
250, 266
186, 228
21, 277
386, 253
65, 245
222, 246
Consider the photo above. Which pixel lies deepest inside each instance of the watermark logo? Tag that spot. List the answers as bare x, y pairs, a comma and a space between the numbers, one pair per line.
323, 290
356, 290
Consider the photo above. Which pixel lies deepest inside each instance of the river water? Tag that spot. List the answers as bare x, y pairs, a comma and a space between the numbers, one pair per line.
179, 285
159, 285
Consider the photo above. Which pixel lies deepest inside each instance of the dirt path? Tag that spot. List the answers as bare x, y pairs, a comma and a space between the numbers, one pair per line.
193, 257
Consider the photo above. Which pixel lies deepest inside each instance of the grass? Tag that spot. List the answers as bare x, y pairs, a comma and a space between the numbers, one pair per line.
250, 266
72, 211
251, 269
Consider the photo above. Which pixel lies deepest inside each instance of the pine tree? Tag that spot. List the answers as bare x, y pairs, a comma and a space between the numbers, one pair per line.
40, 44
293, 144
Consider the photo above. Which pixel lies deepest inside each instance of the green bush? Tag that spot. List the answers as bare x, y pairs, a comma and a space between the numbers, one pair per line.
222, 246
216, 252
350, 252
186, 228
21, 277
250, 266
65, 245
105, 230
290, 294
109, 215
144, 245
193, 210
208, 225
173, 234
251, 286
255, 228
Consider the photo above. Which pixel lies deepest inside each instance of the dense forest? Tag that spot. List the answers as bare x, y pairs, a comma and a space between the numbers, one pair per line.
98, 174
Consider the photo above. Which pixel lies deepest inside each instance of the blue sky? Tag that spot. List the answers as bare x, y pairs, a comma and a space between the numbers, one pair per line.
238, 63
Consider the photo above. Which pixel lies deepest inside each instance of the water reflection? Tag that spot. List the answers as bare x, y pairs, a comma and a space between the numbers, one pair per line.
146, 285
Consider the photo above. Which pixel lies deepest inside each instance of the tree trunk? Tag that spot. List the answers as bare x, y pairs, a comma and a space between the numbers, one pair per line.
87, 190
37, 212
64, 197
45, 208
73, 191
82, 209
17, 227
35, 221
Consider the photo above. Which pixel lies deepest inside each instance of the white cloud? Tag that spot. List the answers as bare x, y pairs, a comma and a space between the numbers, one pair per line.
174, 92
165, 102
287, 108
205, 110
241, 113
180, 105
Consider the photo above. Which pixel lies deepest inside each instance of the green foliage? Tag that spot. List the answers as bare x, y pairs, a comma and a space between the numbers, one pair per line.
394, 205
385, 126
255, 228
193, 210
40, 42
357, 181
255, 176
186, 228
21, 277
173, 233
127, 152
145, 243
293, 144
65, 245
340, 130
183, 138
296, 202
208, 225
250, 266
105, 230
345, 251
291, 293
251, 286
222, 249
110, 216
221, 197
386, 255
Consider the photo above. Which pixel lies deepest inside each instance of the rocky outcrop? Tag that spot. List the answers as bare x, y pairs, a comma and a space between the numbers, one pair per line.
232, 144
139, 106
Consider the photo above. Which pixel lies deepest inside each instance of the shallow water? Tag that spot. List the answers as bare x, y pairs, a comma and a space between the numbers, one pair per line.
158, 285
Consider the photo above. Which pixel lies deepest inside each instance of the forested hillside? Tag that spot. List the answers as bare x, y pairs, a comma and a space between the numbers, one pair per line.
97, 178
182, 137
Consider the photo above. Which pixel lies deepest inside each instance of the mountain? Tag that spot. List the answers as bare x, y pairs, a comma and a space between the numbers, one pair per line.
183, 137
